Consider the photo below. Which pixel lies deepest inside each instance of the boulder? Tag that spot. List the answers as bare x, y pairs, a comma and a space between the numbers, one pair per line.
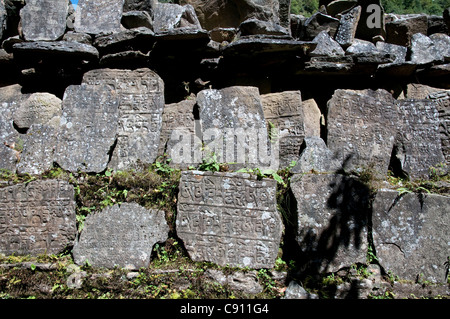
431, 49
39, 108
401, 28
100, 16
326, 46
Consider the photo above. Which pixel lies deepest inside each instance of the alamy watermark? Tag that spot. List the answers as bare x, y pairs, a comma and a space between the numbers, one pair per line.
375, 16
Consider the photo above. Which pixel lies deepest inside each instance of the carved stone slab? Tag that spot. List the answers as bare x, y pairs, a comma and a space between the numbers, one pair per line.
37, 218
98, 16
88, 130
332, 220
418, 145
347, 27
442, 100
284, 111
141, 94
120, 235
362, 126
3, 18
229, 219
410, 234
44, 20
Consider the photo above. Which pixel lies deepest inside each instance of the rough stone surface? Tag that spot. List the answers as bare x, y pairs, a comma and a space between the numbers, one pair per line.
127, 241
44, 20
398, 51
141, 95
39, 108
139, 5
229, 219
319, 22
38, 149
401, 28
89, 128
3, 18
169, 16
316, 156
362, 126
234, 127
65, 49
410, 234
255, 26
425, 50
100, 16
284, 111
326, 46
295, 291
37, 218
246, 282
332, 220
348, 23
313, 117
136, 19
418, 145
442, 100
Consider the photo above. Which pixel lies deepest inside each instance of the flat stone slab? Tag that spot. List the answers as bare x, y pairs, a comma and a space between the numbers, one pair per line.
37, 218
99, 16
410, 234
362, 126
141, 105
44, 20
88, 128
229, 219
332, 220
126, 242
56, 49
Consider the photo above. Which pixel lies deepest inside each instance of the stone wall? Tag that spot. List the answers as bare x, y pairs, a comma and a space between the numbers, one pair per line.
116, 84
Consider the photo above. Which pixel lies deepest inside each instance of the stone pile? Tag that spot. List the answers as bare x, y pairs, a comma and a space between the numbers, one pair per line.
118, 83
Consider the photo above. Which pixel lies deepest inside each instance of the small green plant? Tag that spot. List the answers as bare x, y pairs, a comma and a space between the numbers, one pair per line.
210, 164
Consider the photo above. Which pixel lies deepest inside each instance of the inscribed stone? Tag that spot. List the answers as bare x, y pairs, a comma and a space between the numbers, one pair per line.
442, 100
98, 16
345, 34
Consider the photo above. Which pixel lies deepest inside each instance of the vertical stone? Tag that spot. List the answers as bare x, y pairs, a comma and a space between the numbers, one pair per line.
346, 32
442, 100
98, 16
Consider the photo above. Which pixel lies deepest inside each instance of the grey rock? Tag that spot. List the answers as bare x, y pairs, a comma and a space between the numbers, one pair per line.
136, 19
362, 126
284, 111
446, 16
326, 46
125, 60
137, 39
418, 145
75, 280
229, 219
360, 46
141, 95
83, 38
401, 28
436, 24
234, 127
442, 43
9, 42
223, 34
255, 26
39, 108
89, 128
398, 51
348, 23
139, 5
316, 157
355, 289
100, 16
426, 50
410, 234
295, 291
239, 281
56, 49
3, 19
442, 99
37, 218
332, 220
168, 16
319, 22
128, 240
313, 117
339, 6
44, 20
38, 149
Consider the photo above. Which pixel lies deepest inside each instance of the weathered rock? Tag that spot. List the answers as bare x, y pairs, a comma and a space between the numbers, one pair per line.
365, 52
234, 127
78, 37
255, 26
37, 218
401, 28
418, 146
138, 39
38, 149
446, 16
141, 95
348, 23
39, 108
426, 50
89, 128
326, 46
178, 134
245, 282
397, 51
410, 234
313, 117
420, 91
284, 111
436, 24
319, 22
125, 60
136, 19
128, 240
295, 291
139, 5
44, 20
169, 16
100, 16
442, 100
332, 220
229, 219
223, 34
338, 6
3, 18
362, 126
360, 46
316, 157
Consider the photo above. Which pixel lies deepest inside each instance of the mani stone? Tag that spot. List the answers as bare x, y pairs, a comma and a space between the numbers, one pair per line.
3, 18
442, 100
429, 49
410, 234
313, 117
332, 220
88, 128
179, 139
234, 128
326, 46
120, 235
345, 34
98, 16
229, 219
169, 16
418, 145
38, 149
39, 108
141, 105
37, 218
284, 111
362, 126
44, 20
